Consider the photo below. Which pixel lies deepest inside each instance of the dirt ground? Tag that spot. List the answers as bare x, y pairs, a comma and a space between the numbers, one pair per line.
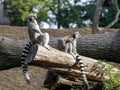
21, 32
12, 79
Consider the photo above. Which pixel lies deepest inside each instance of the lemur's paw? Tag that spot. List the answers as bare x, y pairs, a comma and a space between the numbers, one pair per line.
47, 47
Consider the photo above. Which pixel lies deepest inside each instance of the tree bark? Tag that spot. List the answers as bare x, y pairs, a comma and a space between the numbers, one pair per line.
96, 16
10, 53
101, 46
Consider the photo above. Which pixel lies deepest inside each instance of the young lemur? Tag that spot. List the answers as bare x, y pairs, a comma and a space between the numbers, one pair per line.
36, 38
68, 44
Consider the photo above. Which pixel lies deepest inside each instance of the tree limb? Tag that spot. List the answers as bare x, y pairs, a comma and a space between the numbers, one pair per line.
96, 16
10, 53
115, 20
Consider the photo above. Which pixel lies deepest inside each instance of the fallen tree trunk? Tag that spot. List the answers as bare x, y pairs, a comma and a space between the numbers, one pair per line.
10, 53
101, 46
98, 46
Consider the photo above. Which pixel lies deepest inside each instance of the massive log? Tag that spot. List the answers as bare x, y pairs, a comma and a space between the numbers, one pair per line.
98, 46
10, 53
101, 46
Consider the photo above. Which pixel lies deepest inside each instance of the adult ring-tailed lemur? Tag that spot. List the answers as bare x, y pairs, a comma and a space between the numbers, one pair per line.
36, 38
68, 44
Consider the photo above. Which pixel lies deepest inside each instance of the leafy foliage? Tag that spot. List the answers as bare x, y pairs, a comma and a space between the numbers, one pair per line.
63, 13
114, 79
18, 10
108, 15
105, 69
59, 12
112, 83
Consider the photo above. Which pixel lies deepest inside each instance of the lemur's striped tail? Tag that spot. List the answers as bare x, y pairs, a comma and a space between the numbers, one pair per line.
83, 73
24, 63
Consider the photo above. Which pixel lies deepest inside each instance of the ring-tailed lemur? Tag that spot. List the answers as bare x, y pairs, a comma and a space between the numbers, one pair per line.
24, 64
35, 33
68, 44
83, 73
36, 37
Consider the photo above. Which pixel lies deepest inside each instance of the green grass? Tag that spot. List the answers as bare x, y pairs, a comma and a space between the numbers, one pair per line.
114, 79
112, 83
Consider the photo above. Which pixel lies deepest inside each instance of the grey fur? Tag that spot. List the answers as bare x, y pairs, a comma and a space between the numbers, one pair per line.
68, 44
30, 50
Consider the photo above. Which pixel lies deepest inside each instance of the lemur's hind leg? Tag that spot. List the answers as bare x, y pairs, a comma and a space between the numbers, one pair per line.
31, 53
46, 39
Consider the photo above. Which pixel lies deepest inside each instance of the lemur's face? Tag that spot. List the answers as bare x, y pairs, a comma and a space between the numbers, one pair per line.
77, 35
33, 16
